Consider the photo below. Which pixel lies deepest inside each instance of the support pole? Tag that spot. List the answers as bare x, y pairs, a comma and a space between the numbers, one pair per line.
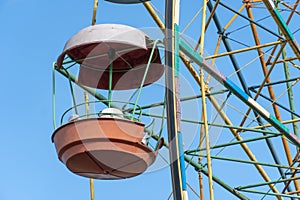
92, 189
291, 103
172, 100
86, 98
204, 110
207, 142
290, 92
287, 75
111, 56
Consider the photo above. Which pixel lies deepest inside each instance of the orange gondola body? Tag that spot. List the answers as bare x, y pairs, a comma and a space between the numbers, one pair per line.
108, 146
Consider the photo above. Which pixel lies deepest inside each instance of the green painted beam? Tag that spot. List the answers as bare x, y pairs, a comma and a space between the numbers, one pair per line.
243, 161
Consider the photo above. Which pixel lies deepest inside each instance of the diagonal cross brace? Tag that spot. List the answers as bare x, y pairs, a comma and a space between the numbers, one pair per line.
238, 92
283, 26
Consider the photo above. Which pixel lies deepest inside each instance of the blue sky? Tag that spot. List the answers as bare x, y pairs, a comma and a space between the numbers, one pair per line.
33, 34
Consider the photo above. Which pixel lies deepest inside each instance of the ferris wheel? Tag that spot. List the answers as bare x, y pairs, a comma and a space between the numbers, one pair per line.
210, 93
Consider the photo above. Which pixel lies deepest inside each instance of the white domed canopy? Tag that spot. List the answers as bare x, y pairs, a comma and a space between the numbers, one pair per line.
123, 49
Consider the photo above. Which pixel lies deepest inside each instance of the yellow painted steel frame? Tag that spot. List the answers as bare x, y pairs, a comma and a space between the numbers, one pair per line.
214, 102
86, 99
204, 110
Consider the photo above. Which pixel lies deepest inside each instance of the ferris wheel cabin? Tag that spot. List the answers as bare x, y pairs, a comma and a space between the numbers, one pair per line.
108, 146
